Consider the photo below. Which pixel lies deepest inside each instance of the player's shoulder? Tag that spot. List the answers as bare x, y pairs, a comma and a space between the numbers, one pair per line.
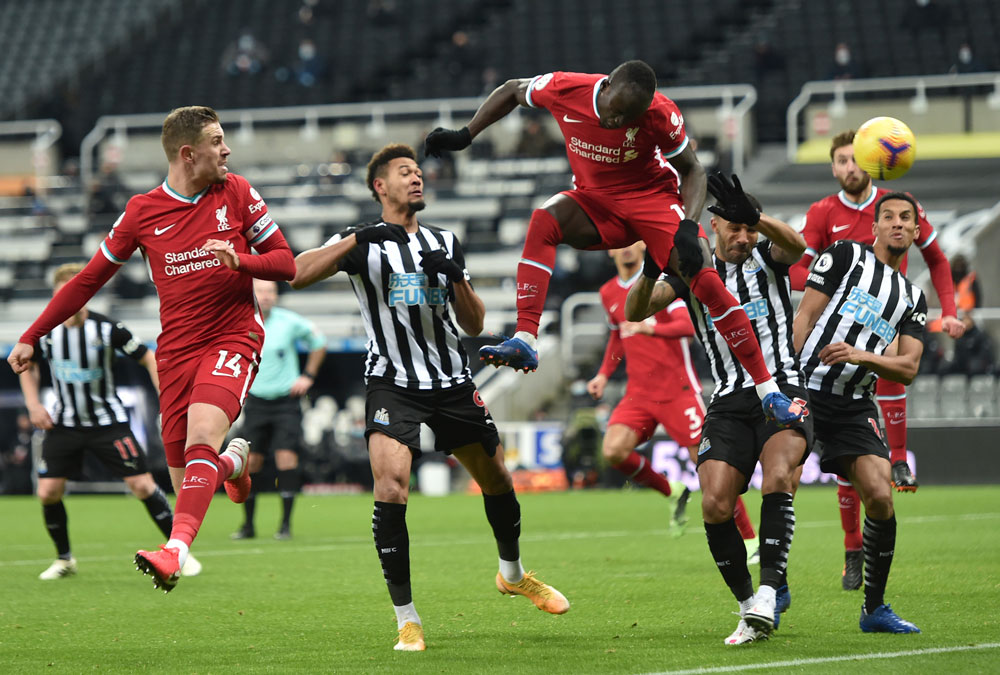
99, 317
238, 185
824, 204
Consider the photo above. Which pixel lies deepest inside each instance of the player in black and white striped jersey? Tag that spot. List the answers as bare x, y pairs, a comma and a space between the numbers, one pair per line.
408, 278
88, 417
861, 319
736, 434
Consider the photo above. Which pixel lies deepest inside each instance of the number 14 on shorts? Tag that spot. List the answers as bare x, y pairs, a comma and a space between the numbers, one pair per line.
230, 368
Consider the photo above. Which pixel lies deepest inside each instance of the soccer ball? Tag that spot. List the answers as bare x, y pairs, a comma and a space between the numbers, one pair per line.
884, 148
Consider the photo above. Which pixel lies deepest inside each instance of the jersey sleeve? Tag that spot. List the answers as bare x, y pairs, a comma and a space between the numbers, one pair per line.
123, 238
916, 322
353, 261
258, 224
668, 128
764, 248
123, 340
814, 231
927, 232
544, 89
830, 267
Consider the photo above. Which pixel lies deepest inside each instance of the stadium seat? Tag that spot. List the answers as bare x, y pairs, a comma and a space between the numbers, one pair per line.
922, 397
954, 402
983, 396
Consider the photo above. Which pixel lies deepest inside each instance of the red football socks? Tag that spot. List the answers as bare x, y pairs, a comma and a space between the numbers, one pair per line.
850, 516
638, 470
204, 472
731, 322
892, 400
535, 269
742, 519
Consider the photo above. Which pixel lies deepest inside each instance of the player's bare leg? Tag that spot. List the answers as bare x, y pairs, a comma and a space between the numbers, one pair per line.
618, 448
504, 515
391, 462
559, 221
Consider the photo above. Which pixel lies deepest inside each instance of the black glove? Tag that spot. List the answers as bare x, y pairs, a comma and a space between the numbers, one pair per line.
650, 268
438, 262
734, 205
688, 248
376, 234
442, 139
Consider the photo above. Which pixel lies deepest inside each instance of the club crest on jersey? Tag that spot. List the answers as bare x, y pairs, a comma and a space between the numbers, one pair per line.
630, 135
751, 266
220, 215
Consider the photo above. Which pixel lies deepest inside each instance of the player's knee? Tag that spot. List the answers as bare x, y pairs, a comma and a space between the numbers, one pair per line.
690, 254
544, 227
716, 507
142, 486
50, 494
615, 452
256, 462
392, 489
284, 460
878, 503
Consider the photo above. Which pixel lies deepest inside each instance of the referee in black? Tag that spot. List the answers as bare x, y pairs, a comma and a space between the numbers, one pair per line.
408, 278
88, 417
861, 319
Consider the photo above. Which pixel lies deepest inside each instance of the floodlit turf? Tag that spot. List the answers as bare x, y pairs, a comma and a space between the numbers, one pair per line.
641, 601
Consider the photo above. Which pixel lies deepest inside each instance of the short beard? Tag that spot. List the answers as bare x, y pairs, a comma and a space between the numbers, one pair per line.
897, 250
418, 205
865, 181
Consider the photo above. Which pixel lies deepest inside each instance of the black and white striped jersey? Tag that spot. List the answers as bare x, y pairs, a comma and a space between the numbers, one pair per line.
412, 340
762, 287
81, 361
870, 304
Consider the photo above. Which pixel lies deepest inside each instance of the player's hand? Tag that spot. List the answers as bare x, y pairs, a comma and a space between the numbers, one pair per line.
734, 205
438, 262
224, 251
955, 328
20, 357
376, 234
689, 254
596, 386
630, 328
839, 352
301, 385
650, 268
40, 417
442, 139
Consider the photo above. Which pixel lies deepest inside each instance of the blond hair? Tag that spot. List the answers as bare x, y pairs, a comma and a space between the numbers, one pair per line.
66, 272
184, 126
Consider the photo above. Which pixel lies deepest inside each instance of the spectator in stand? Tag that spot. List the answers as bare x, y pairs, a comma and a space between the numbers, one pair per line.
246, 56
308, 67
844, 66
926, 15
536, 142
15, 459
974, 351
966, 61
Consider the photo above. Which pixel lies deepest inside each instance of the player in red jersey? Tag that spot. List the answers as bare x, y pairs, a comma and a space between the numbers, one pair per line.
849, 214
621, 136
195, 231
662, 386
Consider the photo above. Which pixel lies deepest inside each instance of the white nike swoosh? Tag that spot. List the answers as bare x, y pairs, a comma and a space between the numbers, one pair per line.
567, 118
613, 307
895, 421
838, 228
158, 231
522, 297
737, 344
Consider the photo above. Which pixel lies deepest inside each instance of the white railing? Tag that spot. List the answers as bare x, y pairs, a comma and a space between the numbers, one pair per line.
917, 84
735, 103
572, 330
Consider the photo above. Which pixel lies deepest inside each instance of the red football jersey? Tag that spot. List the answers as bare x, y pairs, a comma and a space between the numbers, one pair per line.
658, 368
200, 298
630, 159
836, 217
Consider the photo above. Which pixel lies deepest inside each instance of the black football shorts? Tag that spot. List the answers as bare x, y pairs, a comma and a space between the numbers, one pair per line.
64, 447
846, 427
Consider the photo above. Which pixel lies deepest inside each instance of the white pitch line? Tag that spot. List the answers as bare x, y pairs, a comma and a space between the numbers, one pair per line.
829, 659
349, 542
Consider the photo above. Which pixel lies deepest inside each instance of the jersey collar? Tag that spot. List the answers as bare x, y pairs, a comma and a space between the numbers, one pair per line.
597, 88
858, 207
181, 198
627, 283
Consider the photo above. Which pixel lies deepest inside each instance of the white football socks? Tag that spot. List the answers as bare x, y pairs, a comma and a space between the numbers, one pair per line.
182, 550
527, 338
237, 463
511, 570
765, 388
406, 613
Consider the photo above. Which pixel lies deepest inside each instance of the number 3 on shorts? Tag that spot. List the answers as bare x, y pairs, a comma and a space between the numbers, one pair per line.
692, 414
232, 366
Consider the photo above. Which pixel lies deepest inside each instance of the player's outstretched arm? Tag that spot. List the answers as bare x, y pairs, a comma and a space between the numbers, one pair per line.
940, 269
317, 264
810, 309
647, 295
787, 245
693, 182
497, 105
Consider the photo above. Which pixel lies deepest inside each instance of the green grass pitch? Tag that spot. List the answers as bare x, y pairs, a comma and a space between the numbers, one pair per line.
642, 601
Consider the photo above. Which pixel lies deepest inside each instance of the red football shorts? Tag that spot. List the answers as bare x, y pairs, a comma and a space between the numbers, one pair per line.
682, 417
219, 374
622, 220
